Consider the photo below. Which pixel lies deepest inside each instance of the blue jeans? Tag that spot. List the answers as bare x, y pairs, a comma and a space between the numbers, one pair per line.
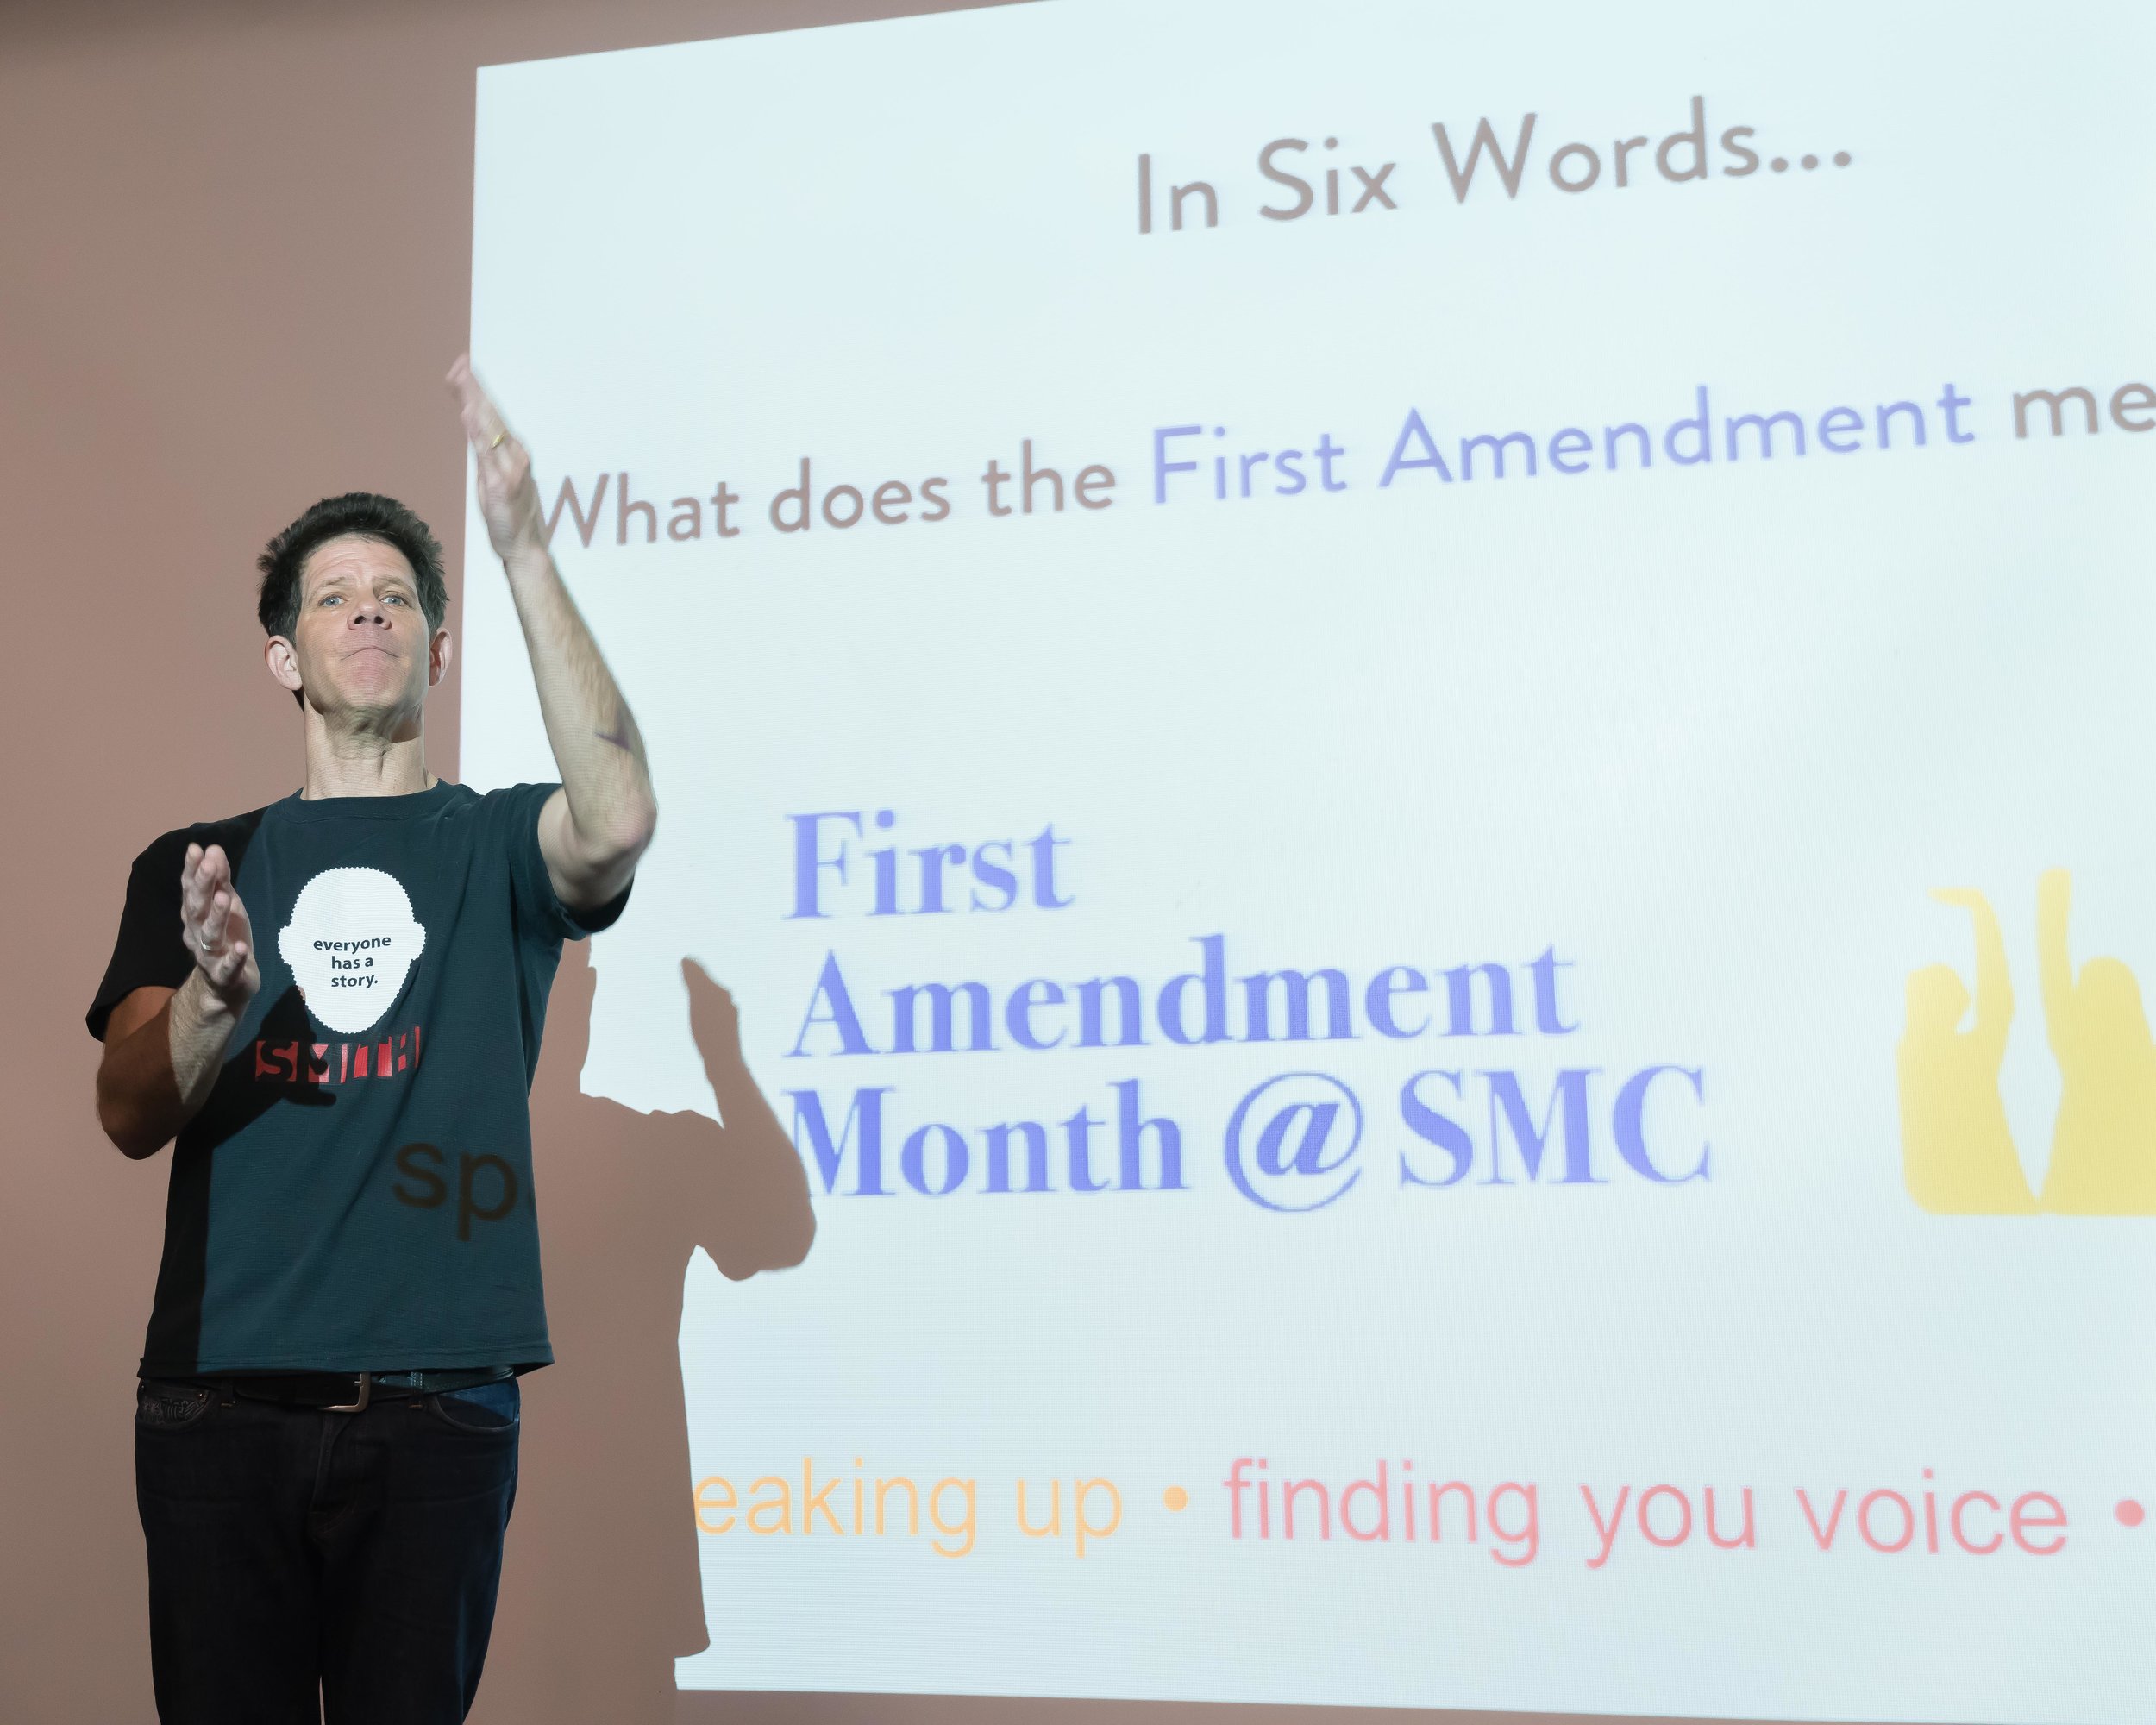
302, 1560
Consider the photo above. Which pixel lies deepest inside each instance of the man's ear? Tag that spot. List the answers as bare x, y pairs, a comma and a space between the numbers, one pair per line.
438, 657
283, 661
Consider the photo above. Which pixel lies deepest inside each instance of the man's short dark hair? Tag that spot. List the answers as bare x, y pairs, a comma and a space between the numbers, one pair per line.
367, 515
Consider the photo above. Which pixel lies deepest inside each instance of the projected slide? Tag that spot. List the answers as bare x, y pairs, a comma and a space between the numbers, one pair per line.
1419, 740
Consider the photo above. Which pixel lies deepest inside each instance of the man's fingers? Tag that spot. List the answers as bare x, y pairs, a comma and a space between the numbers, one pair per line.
194, 898
234, 928
211, 930
224, 966
239, 931
200, 886
465, 387
483, 423
228, 964
189, 874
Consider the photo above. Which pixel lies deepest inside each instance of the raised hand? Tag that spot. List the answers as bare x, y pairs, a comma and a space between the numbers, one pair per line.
216, 926
760, 1217
509, 497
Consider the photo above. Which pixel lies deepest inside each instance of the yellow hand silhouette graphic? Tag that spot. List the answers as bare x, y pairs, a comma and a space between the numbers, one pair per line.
2104, 1145
1958, 1155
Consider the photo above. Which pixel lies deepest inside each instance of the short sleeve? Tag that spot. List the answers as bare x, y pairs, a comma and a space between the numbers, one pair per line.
537, 904
150, 951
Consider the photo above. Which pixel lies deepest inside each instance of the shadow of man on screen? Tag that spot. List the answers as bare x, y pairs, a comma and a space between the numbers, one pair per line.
601, 1588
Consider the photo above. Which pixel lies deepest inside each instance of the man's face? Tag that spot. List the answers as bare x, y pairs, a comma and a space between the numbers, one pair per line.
361, 644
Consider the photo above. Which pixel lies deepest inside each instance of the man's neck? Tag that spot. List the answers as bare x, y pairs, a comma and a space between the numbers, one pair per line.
363, 765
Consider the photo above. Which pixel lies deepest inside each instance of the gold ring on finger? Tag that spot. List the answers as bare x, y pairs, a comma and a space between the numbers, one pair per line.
498, 438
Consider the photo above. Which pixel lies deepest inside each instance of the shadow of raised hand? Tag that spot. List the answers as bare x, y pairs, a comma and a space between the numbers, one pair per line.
765, 1221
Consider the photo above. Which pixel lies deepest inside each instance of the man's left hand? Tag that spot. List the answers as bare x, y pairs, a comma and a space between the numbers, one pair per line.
509, 497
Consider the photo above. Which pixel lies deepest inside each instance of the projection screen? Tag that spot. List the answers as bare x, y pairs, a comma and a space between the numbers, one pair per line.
1416, 737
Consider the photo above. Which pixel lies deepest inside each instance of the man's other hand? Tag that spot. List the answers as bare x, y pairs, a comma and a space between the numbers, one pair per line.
217, 927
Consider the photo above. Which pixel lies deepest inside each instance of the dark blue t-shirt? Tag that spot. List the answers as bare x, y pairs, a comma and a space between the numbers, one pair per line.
356, 1194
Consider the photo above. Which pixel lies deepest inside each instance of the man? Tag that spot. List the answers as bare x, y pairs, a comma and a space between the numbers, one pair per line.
333, 1006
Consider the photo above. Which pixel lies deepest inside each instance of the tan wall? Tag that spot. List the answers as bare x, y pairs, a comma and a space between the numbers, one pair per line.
235, 245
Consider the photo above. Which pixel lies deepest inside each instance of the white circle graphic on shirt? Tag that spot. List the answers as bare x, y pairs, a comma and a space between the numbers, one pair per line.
350, 942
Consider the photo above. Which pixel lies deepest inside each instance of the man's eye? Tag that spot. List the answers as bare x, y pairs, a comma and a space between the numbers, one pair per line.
394, 598
333, 599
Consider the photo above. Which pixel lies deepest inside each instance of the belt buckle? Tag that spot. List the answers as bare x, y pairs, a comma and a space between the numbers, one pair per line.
367, 1387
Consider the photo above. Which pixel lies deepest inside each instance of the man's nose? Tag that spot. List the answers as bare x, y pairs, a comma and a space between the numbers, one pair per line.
369, 613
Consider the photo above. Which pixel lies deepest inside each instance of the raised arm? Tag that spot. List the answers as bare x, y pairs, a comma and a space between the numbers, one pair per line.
164, 1046
595, 827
